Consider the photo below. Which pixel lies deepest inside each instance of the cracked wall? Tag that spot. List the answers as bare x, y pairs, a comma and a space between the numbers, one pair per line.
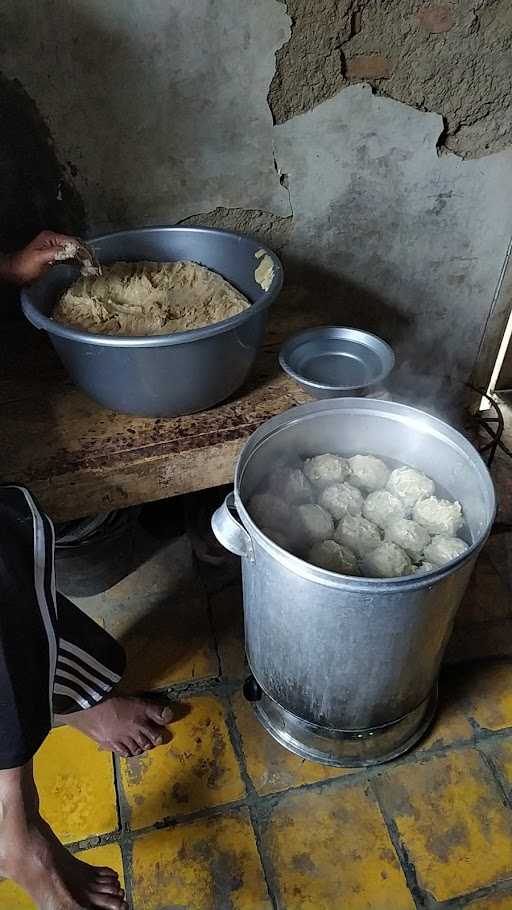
173, 112
403, 241
160, 107
452, 57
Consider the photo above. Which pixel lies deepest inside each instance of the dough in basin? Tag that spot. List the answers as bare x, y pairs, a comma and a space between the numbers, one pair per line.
149, 298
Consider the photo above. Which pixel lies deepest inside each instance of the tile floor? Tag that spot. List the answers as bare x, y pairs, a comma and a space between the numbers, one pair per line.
222, 818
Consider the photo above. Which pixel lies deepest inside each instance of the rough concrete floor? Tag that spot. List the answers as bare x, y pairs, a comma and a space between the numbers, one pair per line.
222, 818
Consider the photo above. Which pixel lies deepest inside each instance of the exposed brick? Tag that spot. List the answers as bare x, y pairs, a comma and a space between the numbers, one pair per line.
369, 66
464, 74
436, 18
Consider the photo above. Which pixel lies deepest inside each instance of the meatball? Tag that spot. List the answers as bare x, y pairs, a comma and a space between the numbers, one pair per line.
425, 567
409, 535
443, 549
313, 524
324, 470
330, 555
368, 473
410, 486
382, 508
341, 499
387, 561
439, 516
359, 534
292, 485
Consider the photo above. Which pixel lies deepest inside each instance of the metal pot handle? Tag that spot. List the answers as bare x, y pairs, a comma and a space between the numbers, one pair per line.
229, 532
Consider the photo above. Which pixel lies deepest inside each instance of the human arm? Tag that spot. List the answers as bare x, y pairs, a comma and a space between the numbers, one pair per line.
33, 260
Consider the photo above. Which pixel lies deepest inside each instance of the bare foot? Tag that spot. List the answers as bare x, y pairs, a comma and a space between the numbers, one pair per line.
55, 879
32, 856
128, 726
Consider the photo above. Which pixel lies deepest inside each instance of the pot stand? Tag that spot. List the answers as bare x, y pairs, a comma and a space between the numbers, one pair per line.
341, 748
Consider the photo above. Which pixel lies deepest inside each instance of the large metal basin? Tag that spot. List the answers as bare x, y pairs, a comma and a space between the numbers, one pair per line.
347, 667
163, 375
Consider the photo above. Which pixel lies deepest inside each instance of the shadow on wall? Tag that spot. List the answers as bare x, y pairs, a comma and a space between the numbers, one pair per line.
317, 295
327, 294
34, 191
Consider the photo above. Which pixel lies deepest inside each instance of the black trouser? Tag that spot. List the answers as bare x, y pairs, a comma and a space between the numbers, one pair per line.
53, 658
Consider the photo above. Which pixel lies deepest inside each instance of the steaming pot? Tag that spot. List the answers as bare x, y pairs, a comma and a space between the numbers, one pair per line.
345, 669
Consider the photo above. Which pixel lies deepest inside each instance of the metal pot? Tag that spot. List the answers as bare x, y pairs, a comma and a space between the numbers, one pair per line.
163, 375
346, 668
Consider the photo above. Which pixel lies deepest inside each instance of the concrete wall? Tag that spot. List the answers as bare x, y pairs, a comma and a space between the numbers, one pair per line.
367, 140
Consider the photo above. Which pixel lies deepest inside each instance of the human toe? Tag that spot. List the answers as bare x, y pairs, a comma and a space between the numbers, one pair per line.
160, 714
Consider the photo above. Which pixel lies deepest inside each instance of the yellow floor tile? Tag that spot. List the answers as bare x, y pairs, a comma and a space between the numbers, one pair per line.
501, 754
76, 786
109, 855
451, 818
208, 864
172, 644
198, 769
271, 767
451, 723
12, 897
330, 850
489, 694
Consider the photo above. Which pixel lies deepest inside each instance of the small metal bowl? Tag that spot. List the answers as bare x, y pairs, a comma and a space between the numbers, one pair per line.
332, 361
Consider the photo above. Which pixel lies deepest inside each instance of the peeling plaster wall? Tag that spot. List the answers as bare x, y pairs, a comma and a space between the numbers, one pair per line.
452, 57
407, 242
159, 108
258, 115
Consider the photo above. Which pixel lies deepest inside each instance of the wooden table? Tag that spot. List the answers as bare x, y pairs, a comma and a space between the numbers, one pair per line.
79, 458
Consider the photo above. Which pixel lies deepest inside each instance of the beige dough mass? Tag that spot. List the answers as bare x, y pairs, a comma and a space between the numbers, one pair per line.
149, 298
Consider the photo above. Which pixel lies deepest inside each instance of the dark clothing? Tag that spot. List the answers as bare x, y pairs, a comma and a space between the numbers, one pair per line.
53, 658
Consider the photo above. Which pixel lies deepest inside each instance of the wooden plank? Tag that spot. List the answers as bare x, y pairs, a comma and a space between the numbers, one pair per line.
79, 458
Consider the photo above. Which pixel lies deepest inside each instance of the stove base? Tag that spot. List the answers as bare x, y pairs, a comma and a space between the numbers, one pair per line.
341, 748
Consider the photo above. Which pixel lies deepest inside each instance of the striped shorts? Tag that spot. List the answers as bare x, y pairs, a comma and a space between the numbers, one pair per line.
53, 658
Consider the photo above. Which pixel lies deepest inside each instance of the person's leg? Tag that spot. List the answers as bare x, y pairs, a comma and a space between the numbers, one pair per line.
40, 672
31, 855
90, 664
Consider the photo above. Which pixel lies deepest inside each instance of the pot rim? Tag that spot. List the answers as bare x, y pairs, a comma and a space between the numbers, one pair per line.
261, 303
355, 583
